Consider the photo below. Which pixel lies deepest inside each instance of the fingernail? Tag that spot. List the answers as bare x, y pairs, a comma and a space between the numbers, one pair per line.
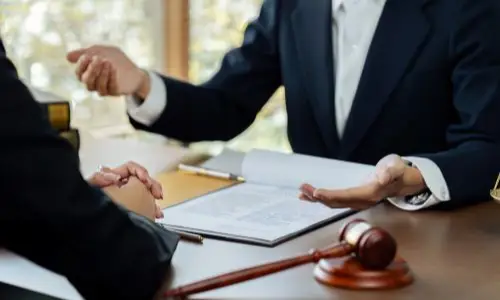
111, 176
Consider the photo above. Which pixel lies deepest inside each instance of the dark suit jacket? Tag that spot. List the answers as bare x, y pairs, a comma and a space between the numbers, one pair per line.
430, 87
49, 214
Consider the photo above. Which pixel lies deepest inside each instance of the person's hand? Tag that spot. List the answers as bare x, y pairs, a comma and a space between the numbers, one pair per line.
392, 178
135, 197
109, 71
120, 176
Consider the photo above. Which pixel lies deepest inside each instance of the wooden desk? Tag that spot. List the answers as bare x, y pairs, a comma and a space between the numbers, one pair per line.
453, 255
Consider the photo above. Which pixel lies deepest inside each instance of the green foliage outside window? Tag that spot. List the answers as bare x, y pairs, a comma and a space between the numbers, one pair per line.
216, 27
38, 34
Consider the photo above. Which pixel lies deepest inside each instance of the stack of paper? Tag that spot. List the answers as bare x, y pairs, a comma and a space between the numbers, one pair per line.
265, 209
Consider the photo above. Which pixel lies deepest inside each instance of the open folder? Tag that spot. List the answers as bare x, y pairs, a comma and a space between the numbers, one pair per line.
265, 209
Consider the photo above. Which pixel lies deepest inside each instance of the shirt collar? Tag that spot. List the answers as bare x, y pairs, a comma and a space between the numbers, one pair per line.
338, 3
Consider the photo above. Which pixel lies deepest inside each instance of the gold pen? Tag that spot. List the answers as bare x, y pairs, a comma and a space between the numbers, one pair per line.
187, 236
210, 173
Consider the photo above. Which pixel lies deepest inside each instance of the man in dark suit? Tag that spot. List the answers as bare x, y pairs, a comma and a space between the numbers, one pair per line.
52, 216
410, 85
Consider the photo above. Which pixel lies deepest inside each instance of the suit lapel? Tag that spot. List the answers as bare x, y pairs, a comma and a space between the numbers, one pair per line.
402, 29
312, 25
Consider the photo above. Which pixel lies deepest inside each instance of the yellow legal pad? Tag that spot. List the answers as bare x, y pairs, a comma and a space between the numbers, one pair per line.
180, 186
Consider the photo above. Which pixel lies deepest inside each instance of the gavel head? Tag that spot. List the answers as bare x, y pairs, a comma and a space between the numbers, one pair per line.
375, 248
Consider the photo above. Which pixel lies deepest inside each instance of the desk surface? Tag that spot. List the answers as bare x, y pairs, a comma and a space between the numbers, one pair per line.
453, 256
112, 152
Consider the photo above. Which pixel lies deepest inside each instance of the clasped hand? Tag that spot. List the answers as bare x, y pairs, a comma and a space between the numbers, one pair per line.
108, 177
392, 178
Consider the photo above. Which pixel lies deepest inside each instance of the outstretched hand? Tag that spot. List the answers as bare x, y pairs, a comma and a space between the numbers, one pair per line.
109, 71
392, 178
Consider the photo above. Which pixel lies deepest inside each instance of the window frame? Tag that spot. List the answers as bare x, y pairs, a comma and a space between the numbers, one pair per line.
176, 38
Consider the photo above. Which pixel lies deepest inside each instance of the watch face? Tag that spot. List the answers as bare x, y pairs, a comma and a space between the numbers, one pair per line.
418, 199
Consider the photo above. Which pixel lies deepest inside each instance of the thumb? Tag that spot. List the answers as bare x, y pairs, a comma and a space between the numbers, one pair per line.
74, 56
391, 168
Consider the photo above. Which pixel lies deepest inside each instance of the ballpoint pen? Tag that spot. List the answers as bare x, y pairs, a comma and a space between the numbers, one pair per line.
210, 173
187, 236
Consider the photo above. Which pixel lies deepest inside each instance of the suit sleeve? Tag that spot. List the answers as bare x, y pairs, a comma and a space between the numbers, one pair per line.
471, 165
228, 103
50, 215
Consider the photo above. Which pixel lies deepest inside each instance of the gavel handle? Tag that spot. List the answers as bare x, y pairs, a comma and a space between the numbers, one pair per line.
227, 279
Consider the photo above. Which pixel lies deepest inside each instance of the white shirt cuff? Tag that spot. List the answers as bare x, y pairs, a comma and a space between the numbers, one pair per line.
434, 180
148, 111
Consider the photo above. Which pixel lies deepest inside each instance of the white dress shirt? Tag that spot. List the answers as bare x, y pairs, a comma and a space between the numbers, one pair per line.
354, 23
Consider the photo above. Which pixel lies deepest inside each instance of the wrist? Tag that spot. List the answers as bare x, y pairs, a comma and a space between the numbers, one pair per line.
142, 91
416, 178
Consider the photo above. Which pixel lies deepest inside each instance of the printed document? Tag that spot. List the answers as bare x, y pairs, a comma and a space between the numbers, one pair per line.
266, 209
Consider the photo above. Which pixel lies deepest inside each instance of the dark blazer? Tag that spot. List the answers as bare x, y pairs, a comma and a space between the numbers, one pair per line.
49, 214
430, 87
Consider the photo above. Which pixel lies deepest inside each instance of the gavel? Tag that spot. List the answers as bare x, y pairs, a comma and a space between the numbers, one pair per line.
372, 250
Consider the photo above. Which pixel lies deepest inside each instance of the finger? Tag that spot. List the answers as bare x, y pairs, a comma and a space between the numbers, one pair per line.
103, 179
364, 193
389, 169
92, 73
113, 81
307, 191
156, 189
133, 169
111, 172
304, 197
82, 66
158, 212
74, 56
141, 173
102, 80
124, 180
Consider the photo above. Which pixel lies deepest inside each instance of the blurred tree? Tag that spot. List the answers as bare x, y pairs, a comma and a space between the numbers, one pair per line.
38, 34
217, 26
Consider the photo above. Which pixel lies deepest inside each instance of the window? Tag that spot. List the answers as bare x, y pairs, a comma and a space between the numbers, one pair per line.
38, 33
215, 27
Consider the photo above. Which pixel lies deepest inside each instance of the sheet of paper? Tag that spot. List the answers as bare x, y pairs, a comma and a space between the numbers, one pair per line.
292, 170
228, 160
18, 271
250, 210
